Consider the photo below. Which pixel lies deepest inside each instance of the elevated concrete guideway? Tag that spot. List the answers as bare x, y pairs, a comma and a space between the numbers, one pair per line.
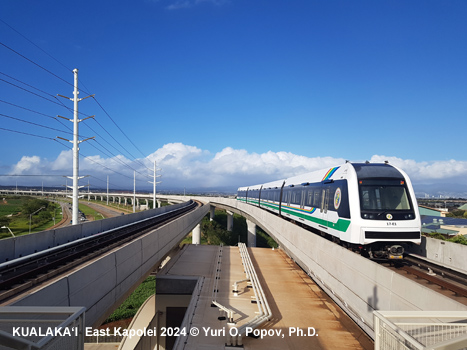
105, 282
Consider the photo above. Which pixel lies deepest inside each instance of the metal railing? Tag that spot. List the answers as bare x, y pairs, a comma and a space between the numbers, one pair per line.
181, 341
420, 330
45, 328
264, 311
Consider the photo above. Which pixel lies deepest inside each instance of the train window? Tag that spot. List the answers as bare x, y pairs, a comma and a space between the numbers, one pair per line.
309, 201
298, 197
302, 200
316, 200
326, 201
384, 197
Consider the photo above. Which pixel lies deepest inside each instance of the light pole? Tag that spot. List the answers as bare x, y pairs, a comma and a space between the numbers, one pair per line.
9, 230
30, 217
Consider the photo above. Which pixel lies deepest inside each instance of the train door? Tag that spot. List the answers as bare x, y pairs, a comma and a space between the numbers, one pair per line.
324, 205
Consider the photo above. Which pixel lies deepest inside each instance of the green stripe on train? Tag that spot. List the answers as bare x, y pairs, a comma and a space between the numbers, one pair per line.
341, 224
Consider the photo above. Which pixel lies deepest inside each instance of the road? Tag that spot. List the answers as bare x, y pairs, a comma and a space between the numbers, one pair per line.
105, 211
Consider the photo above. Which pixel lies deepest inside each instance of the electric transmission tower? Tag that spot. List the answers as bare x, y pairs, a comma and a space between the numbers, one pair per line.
75, 142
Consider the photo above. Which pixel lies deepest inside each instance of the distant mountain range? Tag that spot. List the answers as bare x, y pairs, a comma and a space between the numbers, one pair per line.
445, 190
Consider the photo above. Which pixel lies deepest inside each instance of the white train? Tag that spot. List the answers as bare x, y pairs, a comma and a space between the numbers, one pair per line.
367, 207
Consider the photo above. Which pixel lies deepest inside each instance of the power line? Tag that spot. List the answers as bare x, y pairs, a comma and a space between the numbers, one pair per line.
36, 64
118, 127
120, 144
35, 45
108, 115
26, 175
25, 133
48, 71
43, 126
22, 82
33, 111
57, 102
45, 98
66, 146
28, 122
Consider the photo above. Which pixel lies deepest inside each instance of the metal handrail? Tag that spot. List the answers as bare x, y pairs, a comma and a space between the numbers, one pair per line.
263, 306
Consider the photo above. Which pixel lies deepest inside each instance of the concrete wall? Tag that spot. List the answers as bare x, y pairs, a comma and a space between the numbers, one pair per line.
448, 253
358, 285
15, 247
101, 285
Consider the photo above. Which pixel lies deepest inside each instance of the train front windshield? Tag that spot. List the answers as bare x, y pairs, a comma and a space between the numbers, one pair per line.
385, 200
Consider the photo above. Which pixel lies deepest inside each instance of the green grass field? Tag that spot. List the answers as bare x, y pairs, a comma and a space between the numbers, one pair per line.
22, 213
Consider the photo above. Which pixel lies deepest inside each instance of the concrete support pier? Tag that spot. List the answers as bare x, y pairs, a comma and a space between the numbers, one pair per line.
251, 233
196, 235
212, 212
229, 220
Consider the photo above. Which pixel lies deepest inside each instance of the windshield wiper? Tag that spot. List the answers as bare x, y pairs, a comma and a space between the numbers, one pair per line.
383, 212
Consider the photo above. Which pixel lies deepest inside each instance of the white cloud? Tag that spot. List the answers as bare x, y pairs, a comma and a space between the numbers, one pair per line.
27, 166
191, 167
426, 171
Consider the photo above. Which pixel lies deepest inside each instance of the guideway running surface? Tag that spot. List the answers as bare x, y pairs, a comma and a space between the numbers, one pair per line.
300, 310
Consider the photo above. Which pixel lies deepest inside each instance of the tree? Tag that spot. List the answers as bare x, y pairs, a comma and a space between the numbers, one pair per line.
33, 205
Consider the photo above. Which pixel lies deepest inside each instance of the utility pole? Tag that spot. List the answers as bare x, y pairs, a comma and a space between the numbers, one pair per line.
154, 186
75, 143
107, 190
134, 191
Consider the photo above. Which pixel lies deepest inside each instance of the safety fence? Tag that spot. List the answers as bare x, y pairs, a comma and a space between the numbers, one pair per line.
420, 330
45, 328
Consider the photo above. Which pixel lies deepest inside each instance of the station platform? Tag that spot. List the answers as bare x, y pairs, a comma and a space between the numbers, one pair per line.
303, 316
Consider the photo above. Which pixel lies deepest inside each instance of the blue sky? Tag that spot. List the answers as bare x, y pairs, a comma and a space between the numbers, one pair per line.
203, 84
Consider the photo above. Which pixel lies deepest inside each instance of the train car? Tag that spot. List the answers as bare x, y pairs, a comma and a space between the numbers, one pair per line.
367, 207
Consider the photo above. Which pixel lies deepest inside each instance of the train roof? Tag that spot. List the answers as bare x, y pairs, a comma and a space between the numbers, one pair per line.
363, 170
333, 173
274, 184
